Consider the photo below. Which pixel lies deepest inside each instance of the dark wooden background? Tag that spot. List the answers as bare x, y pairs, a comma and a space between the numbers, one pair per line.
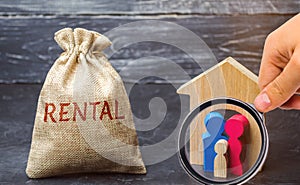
234, 28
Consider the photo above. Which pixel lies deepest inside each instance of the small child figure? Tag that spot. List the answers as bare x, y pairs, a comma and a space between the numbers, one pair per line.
220, 163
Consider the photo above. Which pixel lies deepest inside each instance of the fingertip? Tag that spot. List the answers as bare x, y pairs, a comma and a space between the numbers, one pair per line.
262, 102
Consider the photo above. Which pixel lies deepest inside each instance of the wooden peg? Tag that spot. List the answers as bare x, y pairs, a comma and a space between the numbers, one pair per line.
220, 162
214, 123
234, 128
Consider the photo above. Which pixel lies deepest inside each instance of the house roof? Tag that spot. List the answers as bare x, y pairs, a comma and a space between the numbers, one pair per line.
225, 63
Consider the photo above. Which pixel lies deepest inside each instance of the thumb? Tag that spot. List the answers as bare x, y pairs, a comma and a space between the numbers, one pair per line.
281, 89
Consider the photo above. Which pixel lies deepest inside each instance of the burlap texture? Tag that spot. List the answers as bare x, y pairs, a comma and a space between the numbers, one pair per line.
92, 140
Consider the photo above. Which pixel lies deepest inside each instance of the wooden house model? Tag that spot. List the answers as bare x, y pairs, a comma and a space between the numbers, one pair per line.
226, 79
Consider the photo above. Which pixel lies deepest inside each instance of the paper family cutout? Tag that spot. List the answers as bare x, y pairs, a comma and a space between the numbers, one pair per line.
222, 145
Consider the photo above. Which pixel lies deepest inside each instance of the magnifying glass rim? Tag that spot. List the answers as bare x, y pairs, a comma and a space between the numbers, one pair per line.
259, 118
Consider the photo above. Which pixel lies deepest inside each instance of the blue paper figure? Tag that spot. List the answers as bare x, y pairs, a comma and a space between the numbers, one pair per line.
214, 123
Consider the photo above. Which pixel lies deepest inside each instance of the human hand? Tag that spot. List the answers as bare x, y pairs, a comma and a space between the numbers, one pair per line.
279, 75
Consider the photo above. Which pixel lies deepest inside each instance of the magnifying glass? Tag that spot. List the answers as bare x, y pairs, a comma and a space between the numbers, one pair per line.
223, 141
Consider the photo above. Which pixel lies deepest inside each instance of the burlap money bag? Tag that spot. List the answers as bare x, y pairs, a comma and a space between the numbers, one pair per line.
83, 120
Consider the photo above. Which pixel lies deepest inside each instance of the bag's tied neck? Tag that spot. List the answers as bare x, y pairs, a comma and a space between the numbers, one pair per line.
81, 41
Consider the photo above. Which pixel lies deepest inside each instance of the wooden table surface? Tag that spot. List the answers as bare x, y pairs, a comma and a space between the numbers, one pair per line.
234, 28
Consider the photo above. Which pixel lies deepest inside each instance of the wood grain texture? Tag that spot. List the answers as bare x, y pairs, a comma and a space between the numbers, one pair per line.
27, 48
130, 7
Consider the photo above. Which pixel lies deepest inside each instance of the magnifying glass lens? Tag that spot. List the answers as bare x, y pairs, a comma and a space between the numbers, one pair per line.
224, 141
